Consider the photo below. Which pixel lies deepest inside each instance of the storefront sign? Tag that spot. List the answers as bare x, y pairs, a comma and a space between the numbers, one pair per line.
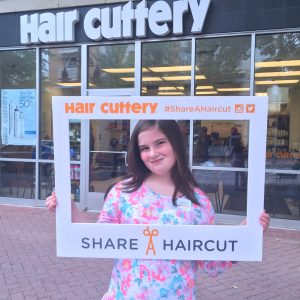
188, 242
18, 117
119, 22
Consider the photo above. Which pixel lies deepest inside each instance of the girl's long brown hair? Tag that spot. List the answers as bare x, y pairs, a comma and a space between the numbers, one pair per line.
181, 175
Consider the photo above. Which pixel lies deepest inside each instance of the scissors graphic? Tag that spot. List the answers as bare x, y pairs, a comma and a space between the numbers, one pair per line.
150, 234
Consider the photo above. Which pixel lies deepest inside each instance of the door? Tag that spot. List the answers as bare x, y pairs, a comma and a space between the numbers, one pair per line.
106, 152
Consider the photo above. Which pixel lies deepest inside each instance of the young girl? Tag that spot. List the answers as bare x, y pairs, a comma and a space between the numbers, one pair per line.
159, 180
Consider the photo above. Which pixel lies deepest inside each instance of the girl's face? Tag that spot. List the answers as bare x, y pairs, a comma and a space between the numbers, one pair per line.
156, 151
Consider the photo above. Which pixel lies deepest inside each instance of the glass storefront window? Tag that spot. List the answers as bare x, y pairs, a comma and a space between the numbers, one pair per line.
184, 126
18, 104
47, 184
17, 179
108, 147
166, 68
223, 66
221, 189
60, 76
111, 67
282, 198
75, 182
277, 75
75, 139
221, 144
46, 180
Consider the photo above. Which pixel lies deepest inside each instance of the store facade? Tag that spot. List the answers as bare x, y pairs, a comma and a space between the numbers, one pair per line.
143, 48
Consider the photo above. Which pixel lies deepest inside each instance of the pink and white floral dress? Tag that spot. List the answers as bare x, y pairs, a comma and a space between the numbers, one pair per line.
134, 279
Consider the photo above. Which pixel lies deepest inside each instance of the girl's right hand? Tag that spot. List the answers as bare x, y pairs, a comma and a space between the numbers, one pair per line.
51, 202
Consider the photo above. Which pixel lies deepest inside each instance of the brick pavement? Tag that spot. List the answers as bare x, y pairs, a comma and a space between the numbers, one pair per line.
29, 268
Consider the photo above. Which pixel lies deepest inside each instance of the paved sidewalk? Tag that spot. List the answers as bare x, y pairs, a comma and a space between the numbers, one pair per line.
29, 268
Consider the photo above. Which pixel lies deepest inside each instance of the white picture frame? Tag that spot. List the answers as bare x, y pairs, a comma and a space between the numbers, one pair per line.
186, 242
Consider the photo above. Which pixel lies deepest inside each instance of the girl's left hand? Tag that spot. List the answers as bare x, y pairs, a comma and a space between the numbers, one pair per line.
264, 220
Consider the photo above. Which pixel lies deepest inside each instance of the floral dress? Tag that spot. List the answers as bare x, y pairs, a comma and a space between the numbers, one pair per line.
147, 279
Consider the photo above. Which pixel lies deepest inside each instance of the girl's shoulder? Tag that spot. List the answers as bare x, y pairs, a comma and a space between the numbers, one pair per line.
122, 186
198, 192
202, 197
119, 185
115, 187
115, 192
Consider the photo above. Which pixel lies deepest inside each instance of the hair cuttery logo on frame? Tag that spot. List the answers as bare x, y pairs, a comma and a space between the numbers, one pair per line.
111, 107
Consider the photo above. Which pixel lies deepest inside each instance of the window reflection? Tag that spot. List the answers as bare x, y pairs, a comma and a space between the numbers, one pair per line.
108, 147
277, 75
75, 182
46, 186
111, 66
166, 68
219, 185
75, 139
17, 179
221, 143
282, 195
60, 72
223, 66
184, 126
